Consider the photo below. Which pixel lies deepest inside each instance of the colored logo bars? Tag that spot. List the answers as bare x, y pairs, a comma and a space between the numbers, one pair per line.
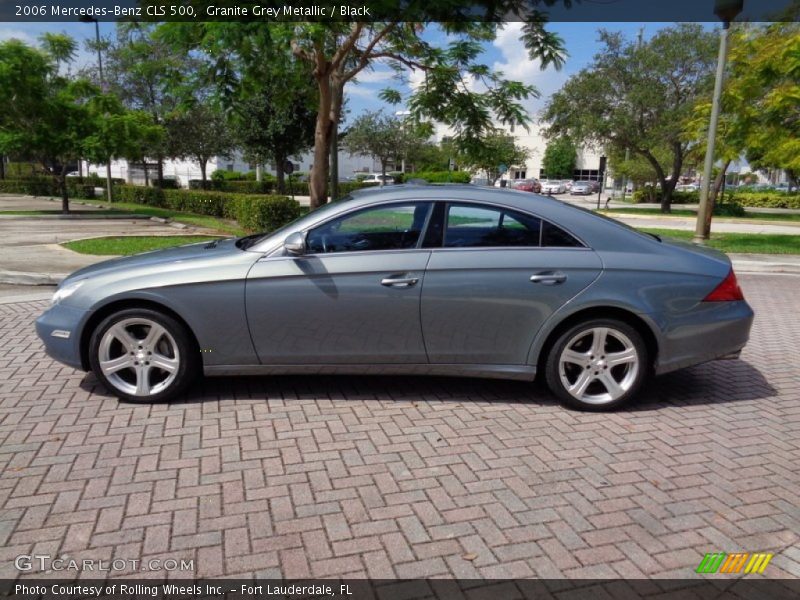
720, 562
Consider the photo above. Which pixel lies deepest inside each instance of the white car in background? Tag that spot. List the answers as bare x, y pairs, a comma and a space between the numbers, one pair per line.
378, 178
553, 187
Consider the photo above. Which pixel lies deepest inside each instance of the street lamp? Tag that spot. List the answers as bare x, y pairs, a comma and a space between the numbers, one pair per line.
726, 10
88, 19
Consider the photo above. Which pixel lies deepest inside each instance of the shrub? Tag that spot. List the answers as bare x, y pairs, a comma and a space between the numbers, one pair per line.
440, 176
729, 209
47, 186
255, 212
139, 194
767, 199
651, 194
264, 213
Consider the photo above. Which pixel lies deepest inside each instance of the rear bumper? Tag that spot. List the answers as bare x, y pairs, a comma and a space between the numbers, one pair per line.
713, 330
60, 328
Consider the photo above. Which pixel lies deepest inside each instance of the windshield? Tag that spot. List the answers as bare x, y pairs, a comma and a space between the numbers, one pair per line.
243, 243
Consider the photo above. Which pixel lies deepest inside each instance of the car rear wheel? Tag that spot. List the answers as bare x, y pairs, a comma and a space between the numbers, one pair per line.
143, 355
597, 365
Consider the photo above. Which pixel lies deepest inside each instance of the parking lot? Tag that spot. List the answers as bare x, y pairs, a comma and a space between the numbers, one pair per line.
392, 477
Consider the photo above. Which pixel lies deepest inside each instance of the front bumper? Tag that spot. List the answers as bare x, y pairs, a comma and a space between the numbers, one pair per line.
66, 323
714, 330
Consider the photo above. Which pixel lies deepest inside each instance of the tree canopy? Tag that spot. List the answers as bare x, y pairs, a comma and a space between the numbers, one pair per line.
490, 151
639, 96
559, 158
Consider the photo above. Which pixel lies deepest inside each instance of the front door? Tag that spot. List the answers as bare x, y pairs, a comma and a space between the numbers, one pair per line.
352, 298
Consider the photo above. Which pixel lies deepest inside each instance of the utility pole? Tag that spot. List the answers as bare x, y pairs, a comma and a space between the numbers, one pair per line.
88, 19
726, 10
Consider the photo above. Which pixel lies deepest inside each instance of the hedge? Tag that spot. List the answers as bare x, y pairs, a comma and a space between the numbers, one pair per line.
437, 176
47, 186
269, 186
768, 199
255, 212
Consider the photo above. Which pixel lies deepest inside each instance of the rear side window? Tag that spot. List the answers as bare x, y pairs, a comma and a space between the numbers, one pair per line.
476, 226
555, 237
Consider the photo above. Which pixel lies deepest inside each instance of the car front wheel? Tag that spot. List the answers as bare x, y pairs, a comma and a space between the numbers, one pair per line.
143, 355
597, 365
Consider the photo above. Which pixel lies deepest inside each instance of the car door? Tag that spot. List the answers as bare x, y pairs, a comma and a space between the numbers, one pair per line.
352, 298
495, 278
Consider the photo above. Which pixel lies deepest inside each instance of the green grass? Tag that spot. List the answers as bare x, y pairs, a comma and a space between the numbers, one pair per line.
221, 225
745, 243
134, 244
58, 212
750, 216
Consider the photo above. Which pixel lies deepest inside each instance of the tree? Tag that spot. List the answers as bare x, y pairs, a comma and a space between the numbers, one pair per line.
45, 116
60, 46
148, 75
383, 137
334, 53
490, 151
763, 93
199, 133
639, 96
559, 158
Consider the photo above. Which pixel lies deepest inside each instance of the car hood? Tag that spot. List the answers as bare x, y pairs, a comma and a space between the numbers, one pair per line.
189, 252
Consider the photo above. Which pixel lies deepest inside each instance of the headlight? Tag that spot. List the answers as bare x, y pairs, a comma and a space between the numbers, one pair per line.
66, 291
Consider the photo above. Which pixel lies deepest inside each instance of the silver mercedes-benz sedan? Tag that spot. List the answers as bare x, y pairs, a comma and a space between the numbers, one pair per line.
441, 280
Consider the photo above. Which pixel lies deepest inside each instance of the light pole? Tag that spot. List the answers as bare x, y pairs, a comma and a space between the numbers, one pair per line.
88, 19
726, 10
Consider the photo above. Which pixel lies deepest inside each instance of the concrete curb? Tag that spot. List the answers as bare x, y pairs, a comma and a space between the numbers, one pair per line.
30, 279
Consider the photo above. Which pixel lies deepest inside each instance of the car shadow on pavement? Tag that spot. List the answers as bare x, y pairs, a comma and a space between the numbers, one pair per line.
717, 382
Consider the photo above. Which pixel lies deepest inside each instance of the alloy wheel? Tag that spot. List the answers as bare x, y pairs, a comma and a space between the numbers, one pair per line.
598, 365
138, 356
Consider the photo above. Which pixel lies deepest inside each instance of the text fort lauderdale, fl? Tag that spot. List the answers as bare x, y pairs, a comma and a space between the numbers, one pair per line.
277, 12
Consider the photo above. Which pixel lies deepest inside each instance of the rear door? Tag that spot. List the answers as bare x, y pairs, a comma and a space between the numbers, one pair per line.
494, 279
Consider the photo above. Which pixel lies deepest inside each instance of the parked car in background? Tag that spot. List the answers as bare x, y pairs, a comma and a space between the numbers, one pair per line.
553, 187
581, 188
401, 280
527, 185
378, 178
687, 187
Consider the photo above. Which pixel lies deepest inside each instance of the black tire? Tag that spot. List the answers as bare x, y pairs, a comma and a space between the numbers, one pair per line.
633, 379
186, 355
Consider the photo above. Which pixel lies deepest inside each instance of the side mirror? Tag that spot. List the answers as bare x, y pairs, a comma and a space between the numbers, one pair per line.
295, 244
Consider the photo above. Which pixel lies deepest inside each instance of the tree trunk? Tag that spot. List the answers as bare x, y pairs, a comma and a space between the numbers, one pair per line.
662, 179
108, 181
2, 166
383, 173
160, 171
203, 165
280, 174
677, 166
259, 176
146, 174
712, 197
62, 183
318, 180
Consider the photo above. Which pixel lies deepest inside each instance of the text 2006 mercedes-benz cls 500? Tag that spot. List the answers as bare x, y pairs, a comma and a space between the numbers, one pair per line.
442, 280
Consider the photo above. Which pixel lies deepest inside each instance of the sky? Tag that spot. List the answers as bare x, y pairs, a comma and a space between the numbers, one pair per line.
506, 53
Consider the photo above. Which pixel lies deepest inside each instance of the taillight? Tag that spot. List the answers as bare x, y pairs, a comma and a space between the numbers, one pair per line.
727, 291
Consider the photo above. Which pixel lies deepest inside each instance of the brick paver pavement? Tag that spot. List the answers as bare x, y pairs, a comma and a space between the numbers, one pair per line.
407, 477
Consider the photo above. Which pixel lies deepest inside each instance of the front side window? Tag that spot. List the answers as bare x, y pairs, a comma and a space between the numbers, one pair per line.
392, 227
474, 226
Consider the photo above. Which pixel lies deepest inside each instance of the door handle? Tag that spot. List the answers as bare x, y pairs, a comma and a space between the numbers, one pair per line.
400, 282
549, 278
